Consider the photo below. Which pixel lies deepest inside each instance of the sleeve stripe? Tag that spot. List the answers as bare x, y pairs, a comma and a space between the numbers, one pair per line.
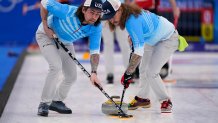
139, 51
44, 3
94, 52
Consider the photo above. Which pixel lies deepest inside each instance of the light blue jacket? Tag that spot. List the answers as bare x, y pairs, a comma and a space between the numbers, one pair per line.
148, 28
67, 26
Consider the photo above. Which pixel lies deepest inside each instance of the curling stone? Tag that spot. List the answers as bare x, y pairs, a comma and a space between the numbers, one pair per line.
109, 108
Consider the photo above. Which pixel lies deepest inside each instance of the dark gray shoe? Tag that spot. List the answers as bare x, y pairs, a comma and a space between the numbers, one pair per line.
43, 109
59, 107
110, 78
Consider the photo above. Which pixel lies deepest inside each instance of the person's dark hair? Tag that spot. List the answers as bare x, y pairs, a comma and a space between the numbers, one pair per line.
81, 17
127, 10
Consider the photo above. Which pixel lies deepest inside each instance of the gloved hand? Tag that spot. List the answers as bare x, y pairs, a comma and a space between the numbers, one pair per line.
126, 79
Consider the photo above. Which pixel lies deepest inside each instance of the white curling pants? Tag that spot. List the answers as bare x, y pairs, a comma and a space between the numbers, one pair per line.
108, 38
59, 63
153, 59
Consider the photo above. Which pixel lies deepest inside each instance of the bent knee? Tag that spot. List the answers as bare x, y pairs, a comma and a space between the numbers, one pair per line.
55, 68
152, 75
71, 78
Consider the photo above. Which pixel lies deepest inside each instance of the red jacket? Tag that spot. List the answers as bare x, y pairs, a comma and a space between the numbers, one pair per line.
147, 4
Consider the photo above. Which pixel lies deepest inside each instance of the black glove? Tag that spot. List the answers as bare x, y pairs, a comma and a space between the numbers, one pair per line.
126, 79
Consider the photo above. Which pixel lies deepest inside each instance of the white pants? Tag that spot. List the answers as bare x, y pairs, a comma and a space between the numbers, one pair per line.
153, 59
108, 38
59, 62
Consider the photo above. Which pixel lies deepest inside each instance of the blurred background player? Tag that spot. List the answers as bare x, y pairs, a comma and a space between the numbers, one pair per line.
109, 41
26, 8
152, 6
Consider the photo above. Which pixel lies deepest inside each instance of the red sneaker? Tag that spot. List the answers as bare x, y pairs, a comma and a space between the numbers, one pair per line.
166, 106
